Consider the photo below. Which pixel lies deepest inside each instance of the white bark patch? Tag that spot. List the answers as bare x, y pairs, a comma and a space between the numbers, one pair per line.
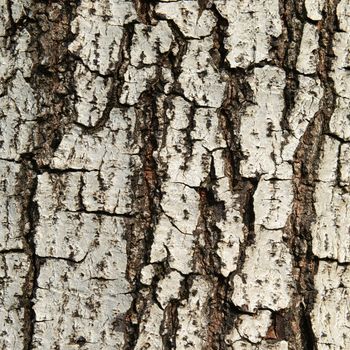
207, 131
250, 327
135, 84
168, 288
149, 42
20, 8
199, 79
147, 274
93, 241
307, 59
84, 272
344, 165
314, 9
254, 328
150, 337
340, 63
327, 170
343, 14
4, 18
92, 94
18, 112
14, 57
232, 234
330, 231
306, 104
184, 163
169, 240
330, 316
188, 18
180, 204
76, 236
264, 345
266, 280
13, 274
99, 30
340, 121
273, 203
81, 306
260, 131
193, 322
106, 155
252, 25
10, 207
58, 192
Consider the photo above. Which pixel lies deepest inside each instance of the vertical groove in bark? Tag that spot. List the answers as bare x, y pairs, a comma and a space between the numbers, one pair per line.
31, 213
287, 55
146, 193
209, 262
52, 74
293, 22
238, 95
306, 163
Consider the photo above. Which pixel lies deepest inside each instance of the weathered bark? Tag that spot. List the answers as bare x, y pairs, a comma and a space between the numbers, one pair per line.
174, 174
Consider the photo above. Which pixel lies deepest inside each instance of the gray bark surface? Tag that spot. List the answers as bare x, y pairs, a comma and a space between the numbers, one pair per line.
174, 174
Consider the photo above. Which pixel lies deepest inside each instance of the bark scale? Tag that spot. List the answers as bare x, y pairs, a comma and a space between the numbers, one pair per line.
174, 174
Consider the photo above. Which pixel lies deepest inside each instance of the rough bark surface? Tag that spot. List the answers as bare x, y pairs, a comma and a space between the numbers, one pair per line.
174, 174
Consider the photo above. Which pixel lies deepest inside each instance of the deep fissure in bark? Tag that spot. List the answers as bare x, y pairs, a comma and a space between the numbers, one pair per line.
31, 214
306, 163
52, 122
146, 208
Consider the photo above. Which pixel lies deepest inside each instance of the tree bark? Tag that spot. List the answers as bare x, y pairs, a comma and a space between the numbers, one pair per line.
174, 174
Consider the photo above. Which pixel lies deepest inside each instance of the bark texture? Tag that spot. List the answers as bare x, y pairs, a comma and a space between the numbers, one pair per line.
174, 174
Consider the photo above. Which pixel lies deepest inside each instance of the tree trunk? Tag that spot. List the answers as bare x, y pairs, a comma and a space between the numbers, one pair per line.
174, 174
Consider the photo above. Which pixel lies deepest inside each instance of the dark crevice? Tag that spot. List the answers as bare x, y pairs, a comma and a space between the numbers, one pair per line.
219, 53
305, 165
47, 169
290, 41
336, 137
69, 260
212, 211
31, 216
176, 60
144, 10
103, 213
52, 75
306, 328
54, 106
248, 210
146, 206
333, 261
170, 325
12, 250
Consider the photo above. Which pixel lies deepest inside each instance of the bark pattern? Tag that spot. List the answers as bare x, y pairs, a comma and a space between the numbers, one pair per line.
174, 174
